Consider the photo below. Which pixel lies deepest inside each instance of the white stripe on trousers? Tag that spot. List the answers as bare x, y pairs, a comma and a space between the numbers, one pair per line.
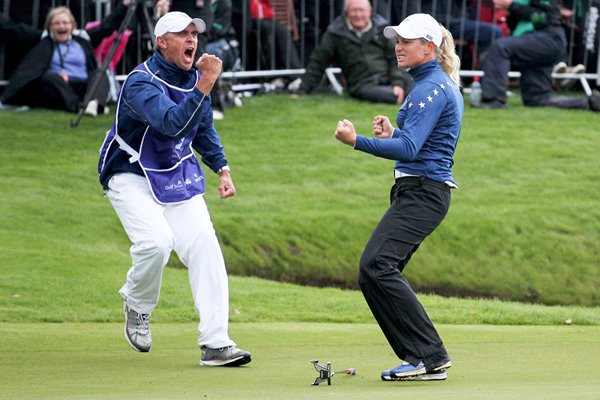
155, 230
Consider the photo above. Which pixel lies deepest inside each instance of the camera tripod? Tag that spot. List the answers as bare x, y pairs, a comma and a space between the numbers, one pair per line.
93, 85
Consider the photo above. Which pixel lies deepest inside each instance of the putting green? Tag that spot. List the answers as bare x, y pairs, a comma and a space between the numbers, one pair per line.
93, 361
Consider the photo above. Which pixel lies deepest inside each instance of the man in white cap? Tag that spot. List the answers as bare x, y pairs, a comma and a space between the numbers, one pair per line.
155, 184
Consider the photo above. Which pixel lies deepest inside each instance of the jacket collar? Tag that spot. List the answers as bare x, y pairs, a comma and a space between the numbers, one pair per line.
423, 70
170, 72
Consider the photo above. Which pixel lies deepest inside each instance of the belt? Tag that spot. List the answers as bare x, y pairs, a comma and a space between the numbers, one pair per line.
401, 177
400, 174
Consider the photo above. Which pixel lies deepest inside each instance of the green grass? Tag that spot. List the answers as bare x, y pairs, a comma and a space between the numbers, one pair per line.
305, 206
523, 226
93, 361
256, 300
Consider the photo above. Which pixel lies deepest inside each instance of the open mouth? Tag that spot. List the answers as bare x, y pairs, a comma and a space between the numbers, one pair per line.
189, 54
61, 33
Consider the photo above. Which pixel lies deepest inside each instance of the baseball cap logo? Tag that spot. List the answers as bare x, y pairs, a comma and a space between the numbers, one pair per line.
416, 26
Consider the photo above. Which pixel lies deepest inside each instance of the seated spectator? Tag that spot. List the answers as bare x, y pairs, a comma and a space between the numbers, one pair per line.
22, 23
354, 41
315, 16
537, 43
56, 73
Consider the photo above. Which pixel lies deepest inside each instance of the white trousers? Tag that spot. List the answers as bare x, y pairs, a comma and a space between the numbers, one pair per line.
155, 230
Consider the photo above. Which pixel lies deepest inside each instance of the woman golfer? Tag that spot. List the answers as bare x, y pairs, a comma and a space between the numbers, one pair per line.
423, 145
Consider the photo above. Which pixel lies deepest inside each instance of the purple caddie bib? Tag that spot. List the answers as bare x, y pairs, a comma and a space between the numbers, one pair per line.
169, 164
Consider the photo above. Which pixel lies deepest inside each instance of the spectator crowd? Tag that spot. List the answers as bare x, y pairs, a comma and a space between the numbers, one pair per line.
538, 38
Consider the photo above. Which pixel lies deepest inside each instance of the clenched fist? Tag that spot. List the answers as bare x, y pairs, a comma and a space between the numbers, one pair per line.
210, 66
382, 127
345, 132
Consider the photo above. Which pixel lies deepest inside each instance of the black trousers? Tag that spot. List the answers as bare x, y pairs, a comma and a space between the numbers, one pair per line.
55, 93
418, 206
534, 54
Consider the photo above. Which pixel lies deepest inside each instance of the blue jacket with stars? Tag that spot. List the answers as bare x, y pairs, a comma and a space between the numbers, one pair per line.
429, 123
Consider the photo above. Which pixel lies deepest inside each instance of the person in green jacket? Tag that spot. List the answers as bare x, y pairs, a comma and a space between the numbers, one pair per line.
354, 42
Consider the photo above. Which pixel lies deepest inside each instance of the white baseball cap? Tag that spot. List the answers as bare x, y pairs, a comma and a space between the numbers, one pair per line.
176, 21
416, 26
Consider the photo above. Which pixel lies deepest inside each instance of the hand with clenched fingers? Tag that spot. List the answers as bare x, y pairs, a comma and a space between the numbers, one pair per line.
210, 66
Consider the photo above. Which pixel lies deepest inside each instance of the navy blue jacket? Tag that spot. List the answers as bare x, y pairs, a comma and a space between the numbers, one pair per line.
143, 103
429, 123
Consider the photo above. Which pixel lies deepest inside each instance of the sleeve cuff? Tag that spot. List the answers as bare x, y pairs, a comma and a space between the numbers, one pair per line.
358, 144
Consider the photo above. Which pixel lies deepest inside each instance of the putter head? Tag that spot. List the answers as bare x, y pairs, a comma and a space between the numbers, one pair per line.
324, 372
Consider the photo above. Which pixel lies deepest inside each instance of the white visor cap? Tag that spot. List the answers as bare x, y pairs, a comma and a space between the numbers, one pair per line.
176, 21
416, 26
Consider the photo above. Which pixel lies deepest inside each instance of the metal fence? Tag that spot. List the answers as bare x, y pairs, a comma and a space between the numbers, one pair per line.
282, 45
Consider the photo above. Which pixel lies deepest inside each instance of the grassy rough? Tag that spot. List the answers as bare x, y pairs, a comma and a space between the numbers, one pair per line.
523, 226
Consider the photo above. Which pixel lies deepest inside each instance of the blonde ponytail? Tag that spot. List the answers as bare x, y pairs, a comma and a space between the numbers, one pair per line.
447, 57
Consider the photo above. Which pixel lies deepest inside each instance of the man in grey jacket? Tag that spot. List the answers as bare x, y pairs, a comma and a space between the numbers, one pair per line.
354, 41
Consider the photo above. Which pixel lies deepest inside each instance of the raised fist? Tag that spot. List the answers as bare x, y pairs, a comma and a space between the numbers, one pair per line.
209, 64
